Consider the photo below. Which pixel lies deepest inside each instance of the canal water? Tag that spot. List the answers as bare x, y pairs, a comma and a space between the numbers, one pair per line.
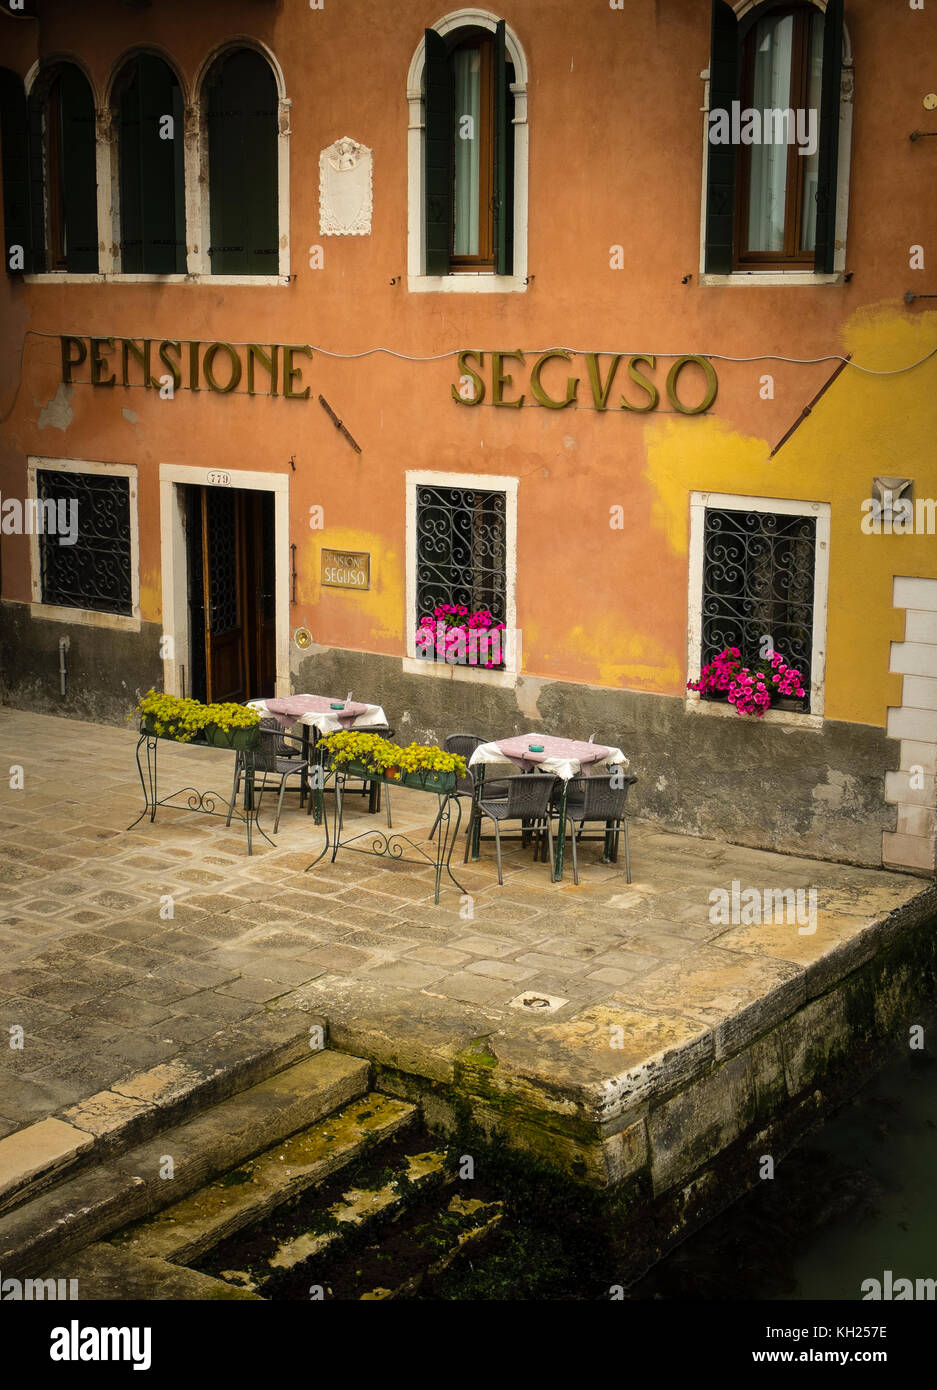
856, 1198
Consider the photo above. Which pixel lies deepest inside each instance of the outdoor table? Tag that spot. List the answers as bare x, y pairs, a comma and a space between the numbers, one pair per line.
317, 713
564, 757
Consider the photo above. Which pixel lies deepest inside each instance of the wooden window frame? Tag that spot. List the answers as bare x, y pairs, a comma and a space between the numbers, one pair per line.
485, 259
793, 256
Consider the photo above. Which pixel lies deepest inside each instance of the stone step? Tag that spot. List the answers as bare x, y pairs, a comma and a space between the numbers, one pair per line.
355, 1209
139, 1106
149, 1176
465, 1222
242, 1196
102, 1272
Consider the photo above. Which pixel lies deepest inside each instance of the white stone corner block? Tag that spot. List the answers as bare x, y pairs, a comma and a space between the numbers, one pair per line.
915, 593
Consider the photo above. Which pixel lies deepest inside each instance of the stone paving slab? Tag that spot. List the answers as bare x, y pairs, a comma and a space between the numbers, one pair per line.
127, 950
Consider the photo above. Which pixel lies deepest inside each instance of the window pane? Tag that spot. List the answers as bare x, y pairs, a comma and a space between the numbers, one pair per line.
460, 550
808, 231
758, 581
467, 158
771, 91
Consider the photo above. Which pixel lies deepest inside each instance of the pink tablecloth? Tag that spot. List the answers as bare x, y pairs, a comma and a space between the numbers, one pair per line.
293, 707
568, 749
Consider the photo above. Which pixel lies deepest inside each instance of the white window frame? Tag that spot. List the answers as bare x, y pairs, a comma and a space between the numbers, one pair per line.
86, 617
774, 278
472, 282
724, 501
197, 208
174, 561
414, 665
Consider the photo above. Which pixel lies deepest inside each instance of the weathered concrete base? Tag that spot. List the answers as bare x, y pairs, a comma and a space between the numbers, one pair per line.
681, 1135
106, 669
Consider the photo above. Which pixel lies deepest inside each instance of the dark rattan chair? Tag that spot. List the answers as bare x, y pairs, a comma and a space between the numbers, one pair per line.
464, 746
528, 801
279, 755
598, 799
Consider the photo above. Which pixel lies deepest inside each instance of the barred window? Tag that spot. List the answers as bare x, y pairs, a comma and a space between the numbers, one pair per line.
460, 557
759, 583
93, 572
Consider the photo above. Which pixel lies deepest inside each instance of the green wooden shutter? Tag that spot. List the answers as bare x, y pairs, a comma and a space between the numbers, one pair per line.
828, 164
129, 162
36, 155
152, 189
17, 228
502, 179
437, 154
79, 172
721, 161
242, 153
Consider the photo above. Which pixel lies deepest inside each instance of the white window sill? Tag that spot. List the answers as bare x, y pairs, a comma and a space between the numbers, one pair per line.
85, 617
470, 283
811, 723
62, 277
417, 666
773, 278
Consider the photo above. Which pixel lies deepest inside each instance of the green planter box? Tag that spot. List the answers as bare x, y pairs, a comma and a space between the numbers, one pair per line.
240, 739
424, 781
430, 781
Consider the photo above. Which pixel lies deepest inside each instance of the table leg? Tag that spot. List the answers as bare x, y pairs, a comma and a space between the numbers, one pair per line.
560, 838
304, 775
249, 795
476, 825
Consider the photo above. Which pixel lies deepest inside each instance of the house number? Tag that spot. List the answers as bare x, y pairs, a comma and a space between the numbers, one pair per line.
220, 479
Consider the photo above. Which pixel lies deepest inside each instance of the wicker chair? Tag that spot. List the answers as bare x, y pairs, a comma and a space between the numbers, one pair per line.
594, 799
464, 746
528, 801
278, 756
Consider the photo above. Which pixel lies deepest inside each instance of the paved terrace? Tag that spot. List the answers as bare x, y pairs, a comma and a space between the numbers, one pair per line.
104, 987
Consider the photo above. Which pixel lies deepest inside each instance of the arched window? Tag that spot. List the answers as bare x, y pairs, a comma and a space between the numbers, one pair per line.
468, 152
17, 230
148, 109
240, 110
63, 169
774, 109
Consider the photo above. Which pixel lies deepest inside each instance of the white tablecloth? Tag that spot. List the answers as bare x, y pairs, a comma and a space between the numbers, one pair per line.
559, 760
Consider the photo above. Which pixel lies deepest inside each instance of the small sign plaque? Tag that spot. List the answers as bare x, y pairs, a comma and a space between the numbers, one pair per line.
346, 569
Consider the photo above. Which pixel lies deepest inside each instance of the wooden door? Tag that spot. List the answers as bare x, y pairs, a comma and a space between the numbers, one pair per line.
224, 581
261, 582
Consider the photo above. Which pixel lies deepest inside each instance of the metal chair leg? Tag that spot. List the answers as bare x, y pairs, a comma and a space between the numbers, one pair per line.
283, 779
627, 853
235, 788
572, 826
468, 833
498, 851
549, 842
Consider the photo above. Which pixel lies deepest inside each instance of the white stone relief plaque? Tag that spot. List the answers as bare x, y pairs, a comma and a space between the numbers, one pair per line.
345, 189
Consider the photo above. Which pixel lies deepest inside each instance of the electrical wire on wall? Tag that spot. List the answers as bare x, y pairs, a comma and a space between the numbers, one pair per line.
533, 352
